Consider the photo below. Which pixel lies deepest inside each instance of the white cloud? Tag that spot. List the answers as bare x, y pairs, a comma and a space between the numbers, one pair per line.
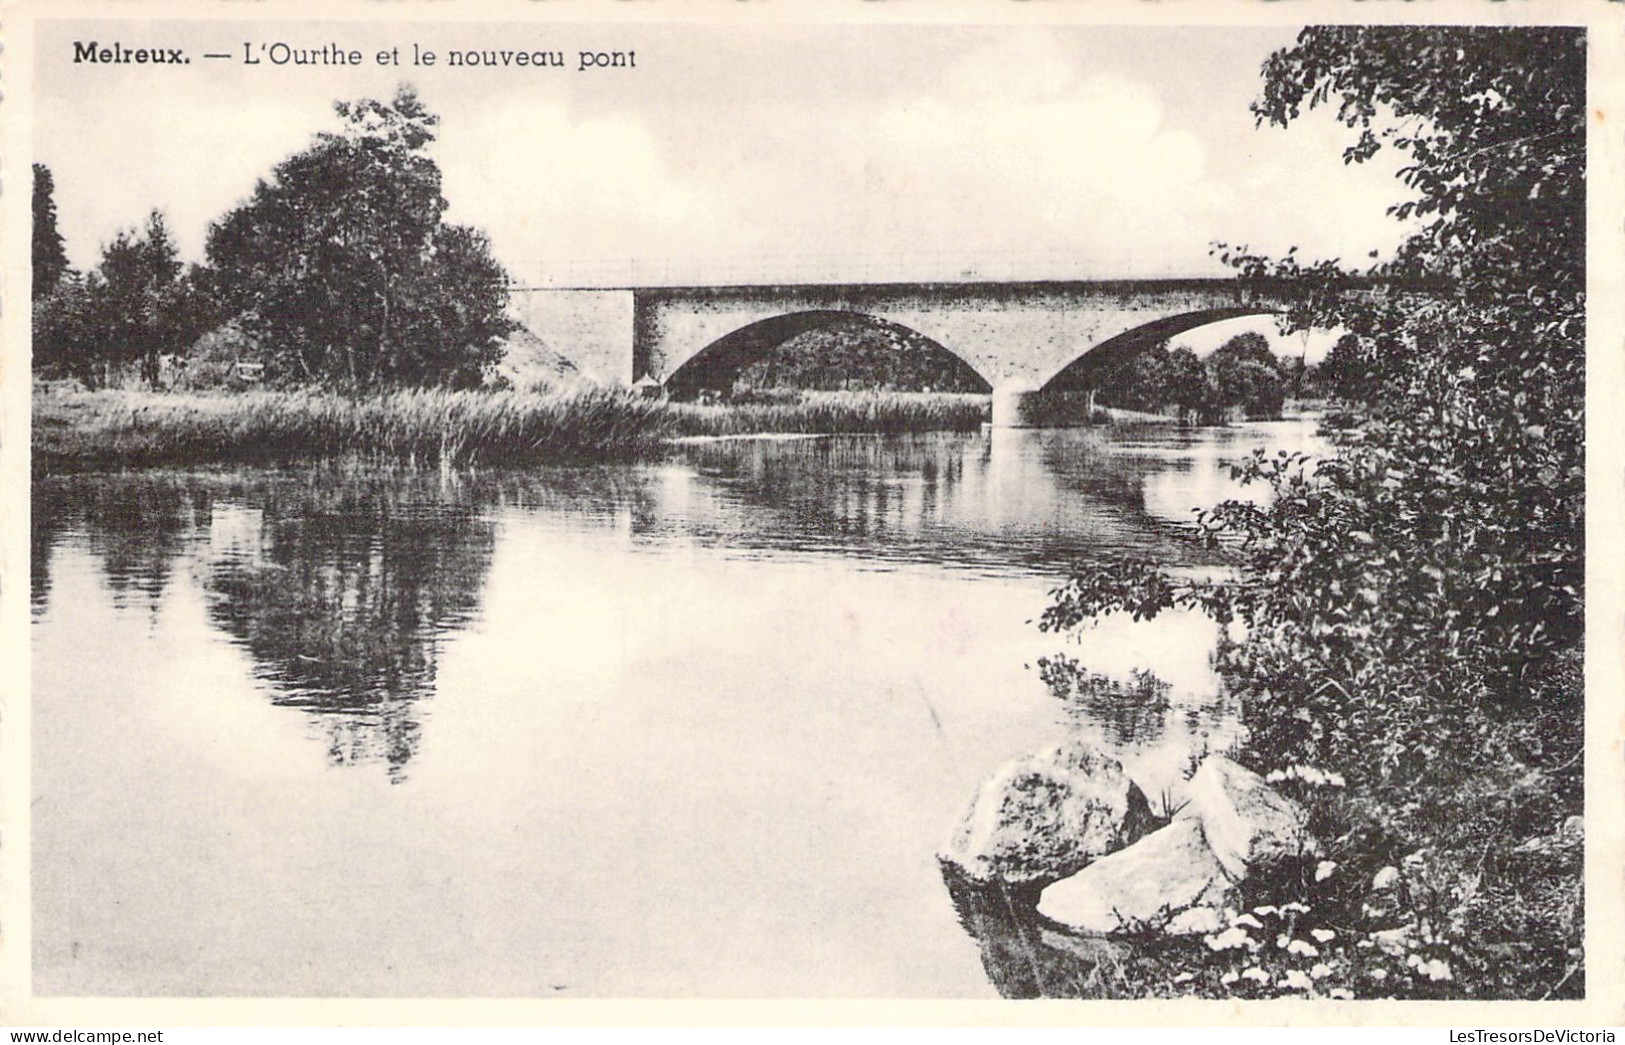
1046, 160
550, 187
1022, 156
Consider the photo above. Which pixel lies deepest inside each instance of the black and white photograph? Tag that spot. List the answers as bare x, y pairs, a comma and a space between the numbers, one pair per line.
620, 503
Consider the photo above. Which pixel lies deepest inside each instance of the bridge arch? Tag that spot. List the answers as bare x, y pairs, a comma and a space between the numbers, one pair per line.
719, 364
1089, 369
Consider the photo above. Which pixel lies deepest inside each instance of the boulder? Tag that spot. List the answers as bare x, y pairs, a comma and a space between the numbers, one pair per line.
1044, 817
1250, 825
1168, 881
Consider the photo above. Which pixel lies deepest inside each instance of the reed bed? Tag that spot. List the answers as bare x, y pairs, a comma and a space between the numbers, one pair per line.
425, 426
80, 430
834, 413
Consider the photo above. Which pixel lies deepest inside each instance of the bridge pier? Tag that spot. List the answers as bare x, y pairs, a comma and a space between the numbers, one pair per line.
1017, 404
1014, 404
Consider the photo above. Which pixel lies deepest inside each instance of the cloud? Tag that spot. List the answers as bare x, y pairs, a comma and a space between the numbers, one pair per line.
1019, 155
551, 186
997, 153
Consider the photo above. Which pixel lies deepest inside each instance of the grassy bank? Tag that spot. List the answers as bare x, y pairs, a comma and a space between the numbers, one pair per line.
123, 429
833, 413
81, 430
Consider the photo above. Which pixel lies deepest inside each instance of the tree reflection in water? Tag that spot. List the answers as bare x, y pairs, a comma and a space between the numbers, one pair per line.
341, 585
1128, 714
344, 596
135, 526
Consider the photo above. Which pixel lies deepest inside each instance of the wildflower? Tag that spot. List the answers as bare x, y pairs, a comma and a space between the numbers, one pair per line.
1325, 869
1255, 973
1385, 878
1322, 935
1308, 950
1295, 979
1340, 994
1230, 977
1394, 941
1320, 971
1233, 937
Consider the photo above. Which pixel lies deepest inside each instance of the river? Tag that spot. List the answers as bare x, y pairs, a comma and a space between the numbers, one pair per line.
693, 728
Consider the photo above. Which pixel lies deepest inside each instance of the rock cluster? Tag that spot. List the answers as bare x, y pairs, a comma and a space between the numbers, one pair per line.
1069, 821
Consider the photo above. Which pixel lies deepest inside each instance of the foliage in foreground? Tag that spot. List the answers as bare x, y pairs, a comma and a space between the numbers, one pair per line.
1413, 605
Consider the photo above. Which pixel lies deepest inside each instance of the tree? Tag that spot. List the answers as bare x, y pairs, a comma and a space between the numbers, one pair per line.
65, 340
1188, 387
342, 267
143, 305
1244, 374
1415, 601
1145, 385
1478, 393
49, 254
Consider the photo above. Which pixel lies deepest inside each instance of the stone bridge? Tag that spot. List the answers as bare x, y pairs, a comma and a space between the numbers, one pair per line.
1031, 335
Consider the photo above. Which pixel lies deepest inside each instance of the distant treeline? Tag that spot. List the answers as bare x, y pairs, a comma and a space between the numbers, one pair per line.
855, 352
337, 270
1242, 376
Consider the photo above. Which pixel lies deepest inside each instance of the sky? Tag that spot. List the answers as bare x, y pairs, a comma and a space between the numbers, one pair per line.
747, 153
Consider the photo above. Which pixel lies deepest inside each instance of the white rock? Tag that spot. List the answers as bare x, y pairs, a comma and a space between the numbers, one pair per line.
1249, 824
1042, 818
1159, 882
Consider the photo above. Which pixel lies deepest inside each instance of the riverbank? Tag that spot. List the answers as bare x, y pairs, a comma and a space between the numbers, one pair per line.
835, 413
84, 430
76, 431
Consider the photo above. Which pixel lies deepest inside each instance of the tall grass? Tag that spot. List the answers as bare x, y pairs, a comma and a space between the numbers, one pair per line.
424, 426
834, 413
430, 426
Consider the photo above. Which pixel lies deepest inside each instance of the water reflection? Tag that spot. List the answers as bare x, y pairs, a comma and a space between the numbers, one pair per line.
344, 593
343, 584
135, 525
1009, 499
1024, 955
487, 703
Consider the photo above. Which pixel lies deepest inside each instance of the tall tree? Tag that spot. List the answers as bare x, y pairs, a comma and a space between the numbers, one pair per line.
65, 339
1415, 600
143, 304
1244, 374
50, 254
342, 267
